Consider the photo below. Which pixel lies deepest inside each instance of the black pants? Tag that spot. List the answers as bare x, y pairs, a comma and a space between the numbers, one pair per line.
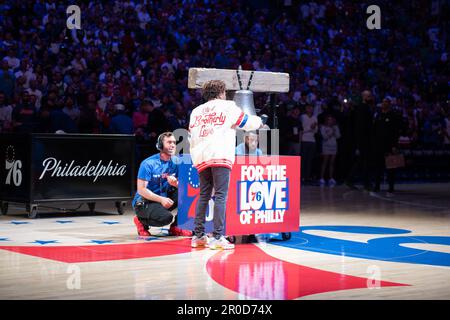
360, 167
153, 214
379, 168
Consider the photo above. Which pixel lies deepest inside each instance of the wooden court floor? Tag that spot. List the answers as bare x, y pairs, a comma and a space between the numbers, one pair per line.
351, 245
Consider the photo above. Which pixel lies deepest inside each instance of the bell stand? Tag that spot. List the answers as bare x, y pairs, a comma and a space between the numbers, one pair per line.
273, 106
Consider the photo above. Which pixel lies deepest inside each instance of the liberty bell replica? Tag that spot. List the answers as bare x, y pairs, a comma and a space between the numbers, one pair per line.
244, 97
244, 100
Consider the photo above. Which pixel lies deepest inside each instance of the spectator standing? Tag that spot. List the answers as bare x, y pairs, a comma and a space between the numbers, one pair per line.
5, 114
293, 129
385, 136
7, 80
72, 111
33, 90
157, 122
24, 116
362, 128
59, 120
330, 133
140, 120
308, 142
121, 123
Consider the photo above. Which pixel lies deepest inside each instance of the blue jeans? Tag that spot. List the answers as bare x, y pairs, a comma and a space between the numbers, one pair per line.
219, 179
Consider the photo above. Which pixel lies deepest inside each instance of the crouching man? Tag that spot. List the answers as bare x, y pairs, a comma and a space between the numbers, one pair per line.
157, 189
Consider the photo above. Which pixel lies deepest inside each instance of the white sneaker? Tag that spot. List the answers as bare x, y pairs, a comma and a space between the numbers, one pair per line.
322, 182
221, 243
199, 242
332, 182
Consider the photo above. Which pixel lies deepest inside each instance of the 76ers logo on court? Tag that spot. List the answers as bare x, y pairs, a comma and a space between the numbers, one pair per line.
263, 194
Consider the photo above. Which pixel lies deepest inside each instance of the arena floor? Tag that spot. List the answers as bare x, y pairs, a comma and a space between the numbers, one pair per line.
350, 246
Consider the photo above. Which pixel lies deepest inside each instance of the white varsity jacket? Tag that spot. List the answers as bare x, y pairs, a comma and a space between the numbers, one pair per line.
212, 129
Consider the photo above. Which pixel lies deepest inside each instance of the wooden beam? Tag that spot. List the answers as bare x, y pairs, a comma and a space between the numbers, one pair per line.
262, 81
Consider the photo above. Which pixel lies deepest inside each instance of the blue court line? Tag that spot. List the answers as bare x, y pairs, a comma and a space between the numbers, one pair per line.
383, 249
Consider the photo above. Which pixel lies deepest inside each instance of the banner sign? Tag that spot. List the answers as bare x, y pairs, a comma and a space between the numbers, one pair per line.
67, 167
263, 197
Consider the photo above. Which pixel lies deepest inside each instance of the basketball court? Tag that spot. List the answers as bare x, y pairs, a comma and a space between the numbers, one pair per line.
350, 245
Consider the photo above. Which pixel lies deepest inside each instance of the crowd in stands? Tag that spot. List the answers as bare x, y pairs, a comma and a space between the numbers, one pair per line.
126, 69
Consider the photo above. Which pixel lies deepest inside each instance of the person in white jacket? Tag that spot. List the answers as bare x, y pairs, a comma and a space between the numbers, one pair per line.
330, 133
212, 129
